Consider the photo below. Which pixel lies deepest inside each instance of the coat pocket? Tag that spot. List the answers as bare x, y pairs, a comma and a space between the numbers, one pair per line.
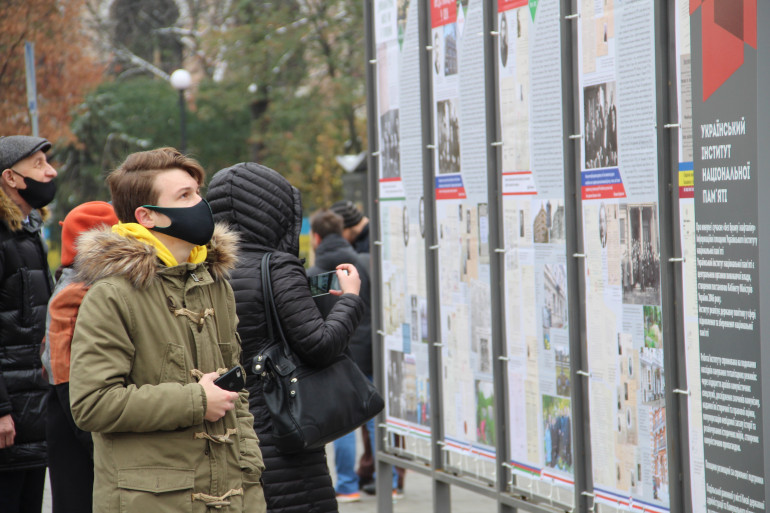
156, 489
173, 369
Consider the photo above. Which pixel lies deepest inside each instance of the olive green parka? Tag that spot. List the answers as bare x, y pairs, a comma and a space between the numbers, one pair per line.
144, 335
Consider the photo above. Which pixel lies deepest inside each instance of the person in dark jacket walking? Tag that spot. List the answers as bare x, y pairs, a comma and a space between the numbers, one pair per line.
331, 249
266, 211
26, 187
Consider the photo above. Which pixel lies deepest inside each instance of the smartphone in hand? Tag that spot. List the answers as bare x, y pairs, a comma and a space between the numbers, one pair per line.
232, 380
321, 284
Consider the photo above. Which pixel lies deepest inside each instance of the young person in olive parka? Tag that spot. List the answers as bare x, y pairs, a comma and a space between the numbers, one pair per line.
155, 329
266, 210
27, 185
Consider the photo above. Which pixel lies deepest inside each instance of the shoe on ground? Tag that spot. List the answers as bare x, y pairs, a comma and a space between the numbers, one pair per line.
398, 493
348, 497
369, 488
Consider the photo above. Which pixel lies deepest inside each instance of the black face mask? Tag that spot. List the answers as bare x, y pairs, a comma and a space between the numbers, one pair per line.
37, 194
191, 224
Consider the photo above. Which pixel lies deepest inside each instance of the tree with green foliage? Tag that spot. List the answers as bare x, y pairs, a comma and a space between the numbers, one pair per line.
139, 114
281, 83
303, 63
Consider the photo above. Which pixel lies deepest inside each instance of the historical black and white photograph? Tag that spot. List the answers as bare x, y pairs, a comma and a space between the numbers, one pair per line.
554, 296
603, 225
601, 125
640, 253
450, 49
390, 153
396, 399
448, 137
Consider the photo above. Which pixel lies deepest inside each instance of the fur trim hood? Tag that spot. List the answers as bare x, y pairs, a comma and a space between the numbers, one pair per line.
102, 254
11, 214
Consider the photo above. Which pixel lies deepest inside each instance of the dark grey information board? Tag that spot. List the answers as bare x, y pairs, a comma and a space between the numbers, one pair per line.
725, 138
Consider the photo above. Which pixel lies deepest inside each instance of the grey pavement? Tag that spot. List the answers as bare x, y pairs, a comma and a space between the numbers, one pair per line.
417, 496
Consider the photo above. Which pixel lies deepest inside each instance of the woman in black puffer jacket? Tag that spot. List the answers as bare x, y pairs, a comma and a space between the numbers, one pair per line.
266, 210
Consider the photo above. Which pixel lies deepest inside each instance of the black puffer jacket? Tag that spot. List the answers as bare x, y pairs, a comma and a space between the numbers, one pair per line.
332, 251
25, 286
267, 212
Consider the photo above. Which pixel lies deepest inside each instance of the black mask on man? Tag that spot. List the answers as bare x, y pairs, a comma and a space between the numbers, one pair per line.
37, 194
192, 224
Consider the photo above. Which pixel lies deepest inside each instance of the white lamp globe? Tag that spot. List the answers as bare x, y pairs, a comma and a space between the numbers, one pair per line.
180, 79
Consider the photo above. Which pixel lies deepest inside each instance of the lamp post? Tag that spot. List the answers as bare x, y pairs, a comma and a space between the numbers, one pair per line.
181, 80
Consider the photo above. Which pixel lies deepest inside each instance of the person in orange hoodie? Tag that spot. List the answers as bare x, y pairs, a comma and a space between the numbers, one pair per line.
70, 449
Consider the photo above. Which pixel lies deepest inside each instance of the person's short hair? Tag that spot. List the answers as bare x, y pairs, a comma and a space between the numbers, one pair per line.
325, 222
132, 183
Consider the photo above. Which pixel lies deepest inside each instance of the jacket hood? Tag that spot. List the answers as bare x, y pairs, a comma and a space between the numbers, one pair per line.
260, 204
12, 215
102, 253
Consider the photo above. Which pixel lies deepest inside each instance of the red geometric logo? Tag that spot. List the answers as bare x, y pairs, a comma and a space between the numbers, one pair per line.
726, 26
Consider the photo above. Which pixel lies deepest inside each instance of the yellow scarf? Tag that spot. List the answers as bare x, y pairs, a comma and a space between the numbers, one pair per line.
139, 232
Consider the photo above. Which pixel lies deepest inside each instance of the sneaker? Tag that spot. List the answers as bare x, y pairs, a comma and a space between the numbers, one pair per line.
348, 497
398, 493
369, 488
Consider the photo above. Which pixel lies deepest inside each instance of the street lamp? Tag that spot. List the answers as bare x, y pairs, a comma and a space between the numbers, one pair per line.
181, 80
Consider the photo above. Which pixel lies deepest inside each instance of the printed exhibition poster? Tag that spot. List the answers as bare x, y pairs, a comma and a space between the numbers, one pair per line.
457, 77
402, 227
726, 180
536, 313
619, 170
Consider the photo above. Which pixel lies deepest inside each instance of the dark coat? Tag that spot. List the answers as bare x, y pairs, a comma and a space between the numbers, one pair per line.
332, 251
267, 212
361, 244
25, 286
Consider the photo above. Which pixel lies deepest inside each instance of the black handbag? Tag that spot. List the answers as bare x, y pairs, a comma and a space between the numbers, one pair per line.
309, 406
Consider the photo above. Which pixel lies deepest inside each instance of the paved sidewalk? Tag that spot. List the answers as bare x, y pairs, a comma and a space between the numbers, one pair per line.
418, 497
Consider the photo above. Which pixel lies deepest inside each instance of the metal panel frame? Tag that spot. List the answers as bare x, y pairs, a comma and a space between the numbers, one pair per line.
510, 498
576, 285
671, 287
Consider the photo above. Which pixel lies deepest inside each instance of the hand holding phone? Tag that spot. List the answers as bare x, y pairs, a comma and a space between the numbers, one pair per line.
350, 282
323, 283
232, 380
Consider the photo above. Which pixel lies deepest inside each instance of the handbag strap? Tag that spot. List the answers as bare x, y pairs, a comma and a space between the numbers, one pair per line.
271, 312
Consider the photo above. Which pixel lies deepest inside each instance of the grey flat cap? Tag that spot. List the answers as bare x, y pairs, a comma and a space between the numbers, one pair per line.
14, 148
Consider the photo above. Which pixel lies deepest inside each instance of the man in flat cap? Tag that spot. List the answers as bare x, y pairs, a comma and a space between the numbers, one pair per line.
26, 187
